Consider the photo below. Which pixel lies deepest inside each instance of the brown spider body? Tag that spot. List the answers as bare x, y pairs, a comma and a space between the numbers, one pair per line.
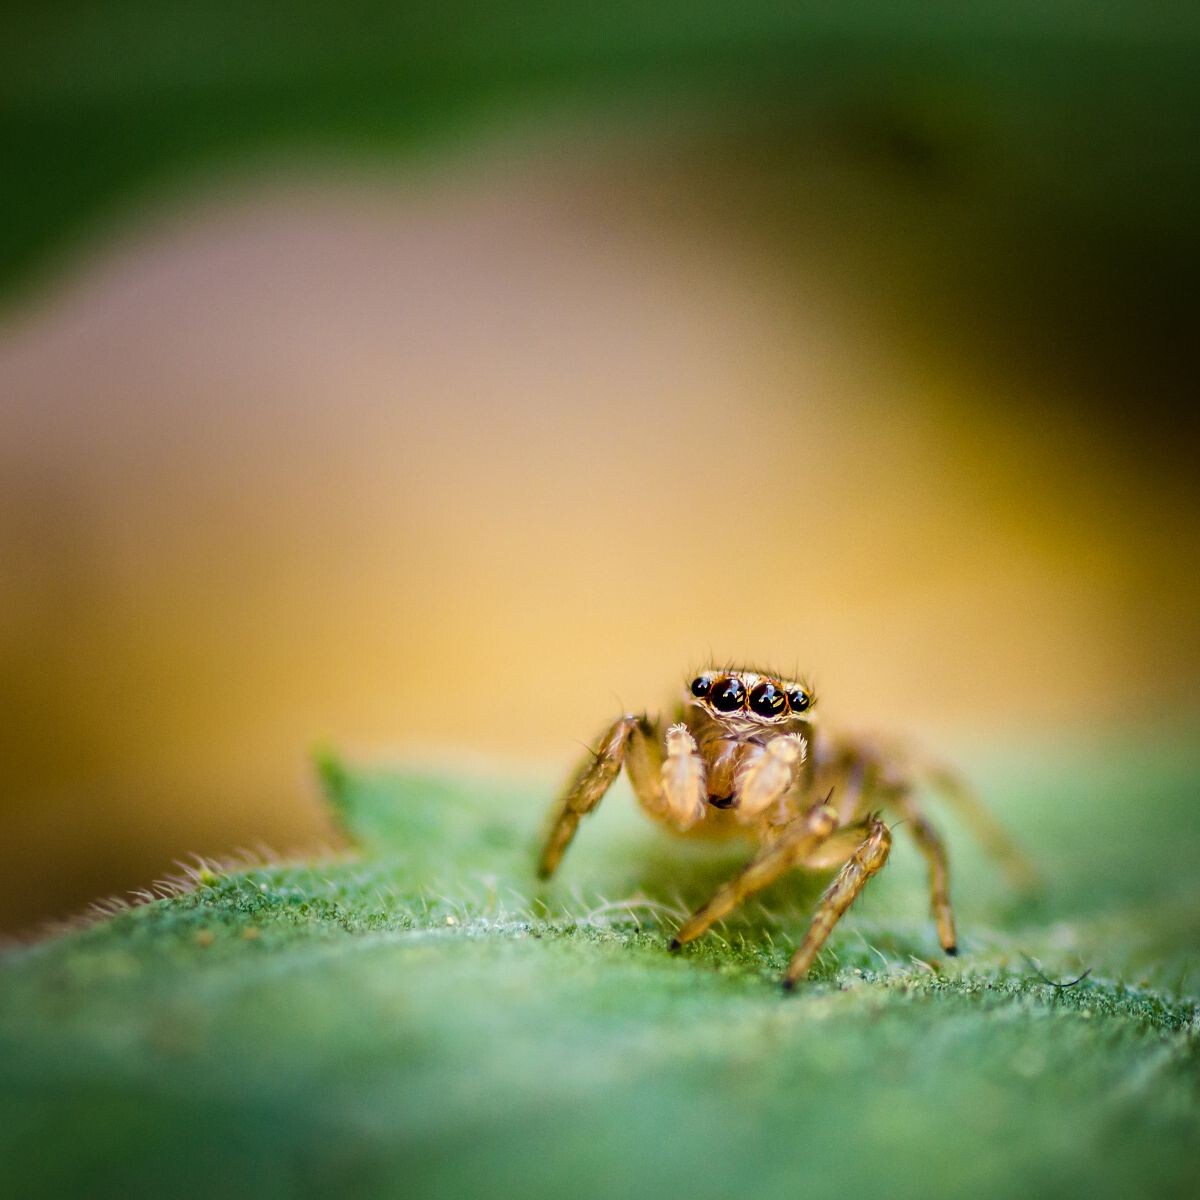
743, 756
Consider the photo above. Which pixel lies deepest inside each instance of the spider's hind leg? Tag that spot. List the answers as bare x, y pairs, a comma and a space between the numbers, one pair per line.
992, 836
933, 849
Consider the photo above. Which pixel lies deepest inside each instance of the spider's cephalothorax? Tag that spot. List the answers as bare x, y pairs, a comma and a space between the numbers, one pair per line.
742, 754
748, 731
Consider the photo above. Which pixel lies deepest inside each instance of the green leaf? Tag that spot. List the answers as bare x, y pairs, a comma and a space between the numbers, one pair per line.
422, 1018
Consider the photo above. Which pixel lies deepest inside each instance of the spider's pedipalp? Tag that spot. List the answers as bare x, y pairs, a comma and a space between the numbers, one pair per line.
683, 778
767, 772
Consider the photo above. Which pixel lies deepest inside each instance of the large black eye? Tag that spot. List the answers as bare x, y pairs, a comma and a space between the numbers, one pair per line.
798, 699
767, 700
700, 685
727, 695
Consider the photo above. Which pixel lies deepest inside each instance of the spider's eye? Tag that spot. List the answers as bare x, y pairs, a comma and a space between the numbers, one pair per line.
767, 700
700, 685
798, 699
728, 695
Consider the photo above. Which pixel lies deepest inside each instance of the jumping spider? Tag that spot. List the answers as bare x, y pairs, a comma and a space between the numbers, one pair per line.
744, 755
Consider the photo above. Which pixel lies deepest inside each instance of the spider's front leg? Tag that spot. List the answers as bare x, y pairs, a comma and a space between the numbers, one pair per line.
794, 845
867, 858
587, 787
672, 789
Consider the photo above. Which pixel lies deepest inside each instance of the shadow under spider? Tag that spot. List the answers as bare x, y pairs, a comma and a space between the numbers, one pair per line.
655, 883
676, 877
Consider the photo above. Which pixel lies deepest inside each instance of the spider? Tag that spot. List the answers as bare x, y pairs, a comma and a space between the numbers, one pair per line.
743, 755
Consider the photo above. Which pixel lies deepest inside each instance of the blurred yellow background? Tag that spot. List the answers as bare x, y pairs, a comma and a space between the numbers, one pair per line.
460, 455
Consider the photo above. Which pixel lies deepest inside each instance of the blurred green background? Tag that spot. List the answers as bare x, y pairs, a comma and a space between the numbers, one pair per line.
436, 380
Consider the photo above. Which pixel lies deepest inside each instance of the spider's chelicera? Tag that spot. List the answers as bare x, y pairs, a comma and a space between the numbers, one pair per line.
743, 754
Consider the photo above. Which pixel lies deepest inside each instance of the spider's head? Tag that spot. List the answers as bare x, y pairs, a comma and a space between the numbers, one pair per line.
751, 697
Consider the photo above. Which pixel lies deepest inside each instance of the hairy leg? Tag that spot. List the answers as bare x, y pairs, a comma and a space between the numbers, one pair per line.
839, 847
792, 846
587, 788
930, 843
868, 857
979, 818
